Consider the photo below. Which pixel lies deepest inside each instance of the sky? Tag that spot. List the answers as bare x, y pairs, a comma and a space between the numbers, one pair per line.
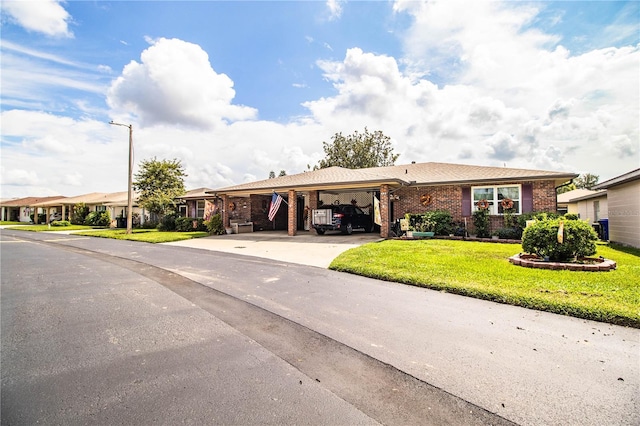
237, 89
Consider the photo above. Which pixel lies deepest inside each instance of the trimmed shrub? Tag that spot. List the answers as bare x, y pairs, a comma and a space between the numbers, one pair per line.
79, 214
509, 233
98, 219
60, 223
438, 221
185, 224
541, 238
214, 225
442, 221
167, 224
481, 223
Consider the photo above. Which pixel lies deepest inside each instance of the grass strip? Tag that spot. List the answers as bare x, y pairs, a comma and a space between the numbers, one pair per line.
43, 228
144, 235
482, 270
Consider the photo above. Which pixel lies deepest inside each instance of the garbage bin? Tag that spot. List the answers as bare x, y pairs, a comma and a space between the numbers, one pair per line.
604, 228
122, 222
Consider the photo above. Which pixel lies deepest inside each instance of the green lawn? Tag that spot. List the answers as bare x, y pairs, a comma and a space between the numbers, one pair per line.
482, 270
7, 222
146, 235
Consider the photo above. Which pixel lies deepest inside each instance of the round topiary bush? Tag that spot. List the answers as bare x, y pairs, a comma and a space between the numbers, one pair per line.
543, 239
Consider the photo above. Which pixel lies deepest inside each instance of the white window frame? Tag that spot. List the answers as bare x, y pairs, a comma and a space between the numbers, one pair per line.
200, 209
494, 202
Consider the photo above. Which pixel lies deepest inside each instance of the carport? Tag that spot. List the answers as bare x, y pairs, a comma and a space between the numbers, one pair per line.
303, 193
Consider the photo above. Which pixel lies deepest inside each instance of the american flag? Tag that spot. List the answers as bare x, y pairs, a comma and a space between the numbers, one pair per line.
276, 199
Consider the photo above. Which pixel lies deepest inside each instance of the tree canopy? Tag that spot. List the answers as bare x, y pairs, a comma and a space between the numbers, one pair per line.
159, 183
584, 181
358, 151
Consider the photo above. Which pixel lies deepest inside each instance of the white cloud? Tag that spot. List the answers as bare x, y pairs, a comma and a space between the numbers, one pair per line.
44, 16
335, 8
478, 85
175, 84
19, 177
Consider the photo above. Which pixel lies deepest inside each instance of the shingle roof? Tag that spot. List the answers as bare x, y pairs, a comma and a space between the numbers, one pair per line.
28, 201
331, 177
197, 193
91, 198
579, 194
414, 174
619, 180
445, 173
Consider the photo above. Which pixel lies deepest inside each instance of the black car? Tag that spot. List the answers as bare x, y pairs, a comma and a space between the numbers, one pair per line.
344, 218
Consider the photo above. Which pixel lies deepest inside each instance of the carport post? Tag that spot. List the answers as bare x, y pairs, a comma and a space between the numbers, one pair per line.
384, 211
292, 219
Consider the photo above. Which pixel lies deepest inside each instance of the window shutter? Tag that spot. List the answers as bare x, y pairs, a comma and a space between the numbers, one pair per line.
466, 201
527, 198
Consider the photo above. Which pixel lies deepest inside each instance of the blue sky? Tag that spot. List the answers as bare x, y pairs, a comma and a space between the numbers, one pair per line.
237, 89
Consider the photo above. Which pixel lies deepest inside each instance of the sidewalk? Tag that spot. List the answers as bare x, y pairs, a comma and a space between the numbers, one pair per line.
304, 249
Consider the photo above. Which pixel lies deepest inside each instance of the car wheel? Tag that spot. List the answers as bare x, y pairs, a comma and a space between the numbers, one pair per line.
320, 231
349, 229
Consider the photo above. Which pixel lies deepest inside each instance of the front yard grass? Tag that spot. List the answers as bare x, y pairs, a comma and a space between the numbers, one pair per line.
482, 270
145, 235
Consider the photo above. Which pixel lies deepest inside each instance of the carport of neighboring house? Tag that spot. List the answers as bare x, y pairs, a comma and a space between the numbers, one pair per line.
115, 203
410, 188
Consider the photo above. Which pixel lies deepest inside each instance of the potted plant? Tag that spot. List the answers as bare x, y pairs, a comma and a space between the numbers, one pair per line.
425, 228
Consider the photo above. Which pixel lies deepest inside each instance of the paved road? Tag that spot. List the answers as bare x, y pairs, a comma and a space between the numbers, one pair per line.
528, 367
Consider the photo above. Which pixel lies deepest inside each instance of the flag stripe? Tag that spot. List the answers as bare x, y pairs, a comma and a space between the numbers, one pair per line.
276, 200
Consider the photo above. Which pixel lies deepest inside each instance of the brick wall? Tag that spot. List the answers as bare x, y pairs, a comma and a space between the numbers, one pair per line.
242, 209
544, 196
449, 197
260, 212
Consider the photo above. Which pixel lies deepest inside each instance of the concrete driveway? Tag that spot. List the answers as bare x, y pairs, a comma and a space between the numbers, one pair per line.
304, 249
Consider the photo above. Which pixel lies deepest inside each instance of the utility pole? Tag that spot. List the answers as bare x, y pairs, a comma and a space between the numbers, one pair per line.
130, 185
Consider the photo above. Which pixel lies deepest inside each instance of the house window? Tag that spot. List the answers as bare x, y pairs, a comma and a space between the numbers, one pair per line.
200, 212
596, 211
101, 208
182, 210
495, 194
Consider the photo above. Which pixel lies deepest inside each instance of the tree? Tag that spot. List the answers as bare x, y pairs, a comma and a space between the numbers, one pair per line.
566, 188
358, 151
586, 181
159, 183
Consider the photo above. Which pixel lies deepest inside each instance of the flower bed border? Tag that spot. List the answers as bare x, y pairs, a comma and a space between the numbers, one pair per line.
533, 261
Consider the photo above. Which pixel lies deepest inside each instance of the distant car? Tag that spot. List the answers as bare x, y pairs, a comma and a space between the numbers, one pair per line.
341, 217
55, 216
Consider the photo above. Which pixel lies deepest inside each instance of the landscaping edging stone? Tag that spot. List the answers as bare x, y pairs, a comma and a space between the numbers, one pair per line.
532, 261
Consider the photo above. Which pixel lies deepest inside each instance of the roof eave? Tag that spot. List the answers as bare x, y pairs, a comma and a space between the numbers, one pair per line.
356, 185
558, 179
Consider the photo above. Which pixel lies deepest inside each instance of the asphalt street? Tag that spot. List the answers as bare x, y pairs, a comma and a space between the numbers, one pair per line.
498, 362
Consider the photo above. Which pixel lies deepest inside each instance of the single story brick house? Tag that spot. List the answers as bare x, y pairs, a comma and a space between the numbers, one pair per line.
409, 188
623, 199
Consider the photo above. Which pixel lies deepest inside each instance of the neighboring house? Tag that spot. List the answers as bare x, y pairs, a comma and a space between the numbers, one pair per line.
115, 203
623, 197
410, 188
194, 203
21, 209
587, 204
